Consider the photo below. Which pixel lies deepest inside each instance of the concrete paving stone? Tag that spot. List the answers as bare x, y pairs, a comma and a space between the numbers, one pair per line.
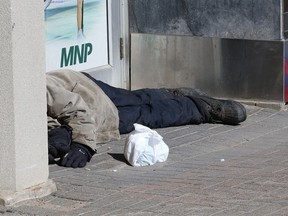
221, 176
147, 201
56, 206
11, 212
73, 181
172, 144
265, 140
280, 182
251, 180
249, 207
172, 207
186, 151
230, 196
217, 204
276, 161
180, 138
177, 133
230, 183
106, 176
260, 125
264, 210
246, 134
151, 177
206, 159
260, 113
234, 196
202, 130
273, 121
208, 145
79, 196
94, 211
279, 177
254, 160
203, 211
259, 190
228, 212
58, 171
136, 180
107, 185
128, 212
193, 150
241, 209
215, 174
171, 130
65, 187
173, 158
226, 141
235, 166
204, 181
199, 184
192, 195
180, 166
221, 128
98, 192
194, 186
176, 181
158, 169
165, 187
280, 149
112, 163
263, 171
255, 119
111, 201
227, 154
281, 202
214, 130
141, 188
99, 158
169, 192
122, 183
122, 202
280, 212
131, 202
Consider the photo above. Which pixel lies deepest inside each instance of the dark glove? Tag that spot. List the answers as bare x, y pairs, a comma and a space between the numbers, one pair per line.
59, 140
78, 156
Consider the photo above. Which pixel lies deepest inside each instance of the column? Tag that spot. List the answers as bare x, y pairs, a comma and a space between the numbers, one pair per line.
23, 134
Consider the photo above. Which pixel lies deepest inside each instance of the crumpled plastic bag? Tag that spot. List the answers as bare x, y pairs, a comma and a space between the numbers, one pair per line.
145, 147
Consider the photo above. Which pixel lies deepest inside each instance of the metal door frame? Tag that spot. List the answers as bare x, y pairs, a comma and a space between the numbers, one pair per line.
116, 73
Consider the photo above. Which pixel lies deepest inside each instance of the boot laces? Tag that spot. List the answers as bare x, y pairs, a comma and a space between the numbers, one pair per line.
216, 112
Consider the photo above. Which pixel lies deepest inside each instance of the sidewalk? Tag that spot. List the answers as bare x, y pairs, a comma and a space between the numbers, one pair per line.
212, 169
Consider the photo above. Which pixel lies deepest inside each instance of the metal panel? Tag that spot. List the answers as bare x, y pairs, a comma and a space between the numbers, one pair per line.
228, 68
241, 19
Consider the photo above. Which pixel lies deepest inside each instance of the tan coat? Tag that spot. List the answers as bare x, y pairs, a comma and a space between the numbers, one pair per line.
76, 101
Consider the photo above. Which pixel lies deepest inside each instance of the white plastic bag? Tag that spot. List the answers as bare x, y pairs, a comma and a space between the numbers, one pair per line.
145, 147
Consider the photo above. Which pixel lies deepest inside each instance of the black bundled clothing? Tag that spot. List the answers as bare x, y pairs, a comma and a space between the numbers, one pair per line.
154, 108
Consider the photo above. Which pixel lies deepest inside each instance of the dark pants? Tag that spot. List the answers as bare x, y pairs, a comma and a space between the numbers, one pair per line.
154, 108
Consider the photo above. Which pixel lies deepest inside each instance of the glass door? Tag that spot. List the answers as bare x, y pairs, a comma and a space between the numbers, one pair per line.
87, 35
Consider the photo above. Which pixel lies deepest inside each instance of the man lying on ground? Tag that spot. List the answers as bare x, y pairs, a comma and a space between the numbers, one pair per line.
83, 112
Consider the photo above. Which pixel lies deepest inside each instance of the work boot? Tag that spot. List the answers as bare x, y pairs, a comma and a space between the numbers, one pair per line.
214, 110
224, 111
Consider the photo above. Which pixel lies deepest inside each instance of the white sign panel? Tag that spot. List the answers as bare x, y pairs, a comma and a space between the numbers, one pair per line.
76, 34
